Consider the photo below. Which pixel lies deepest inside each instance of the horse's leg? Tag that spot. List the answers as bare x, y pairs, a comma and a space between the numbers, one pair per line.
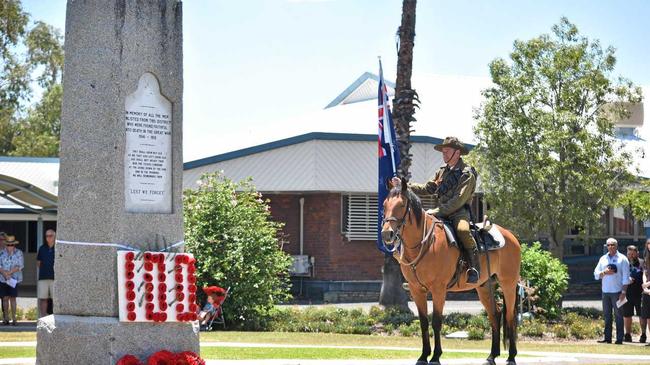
509, 288
486, 298
420, 299
438, 295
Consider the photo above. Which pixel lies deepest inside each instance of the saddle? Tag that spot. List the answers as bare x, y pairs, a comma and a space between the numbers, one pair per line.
487, 237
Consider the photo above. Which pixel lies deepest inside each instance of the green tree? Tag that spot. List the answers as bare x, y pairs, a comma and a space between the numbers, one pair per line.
638, 200
29, 129
229, 230
547, 152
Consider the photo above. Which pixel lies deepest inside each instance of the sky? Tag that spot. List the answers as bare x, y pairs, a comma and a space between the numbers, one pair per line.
255, 65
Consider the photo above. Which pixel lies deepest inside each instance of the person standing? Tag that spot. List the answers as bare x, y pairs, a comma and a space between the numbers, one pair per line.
645, 298
45, 263
11, 275
634, 290
613, 269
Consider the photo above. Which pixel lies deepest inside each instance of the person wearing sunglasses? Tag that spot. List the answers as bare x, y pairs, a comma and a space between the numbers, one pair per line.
613, 269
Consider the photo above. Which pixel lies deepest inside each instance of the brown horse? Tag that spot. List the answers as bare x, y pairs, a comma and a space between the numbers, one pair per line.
429, 263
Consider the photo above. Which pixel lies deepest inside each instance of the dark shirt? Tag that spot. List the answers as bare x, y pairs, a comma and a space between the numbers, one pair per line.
636, 273
46, 257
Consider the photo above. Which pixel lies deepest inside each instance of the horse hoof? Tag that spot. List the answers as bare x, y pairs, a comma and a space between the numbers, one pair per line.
419, 362
511, 362
489, 362
434, 363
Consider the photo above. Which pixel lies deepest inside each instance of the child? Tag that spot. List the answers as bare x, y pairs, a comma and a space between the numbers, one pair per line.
211, 309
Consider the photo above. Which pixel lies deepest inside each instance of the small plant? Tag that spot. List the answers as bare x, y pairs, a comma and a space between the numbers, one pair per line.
457, 321
560, 331
591, 313
31, 314
534, 328
409, 330
475, 333
20, 313
548, 275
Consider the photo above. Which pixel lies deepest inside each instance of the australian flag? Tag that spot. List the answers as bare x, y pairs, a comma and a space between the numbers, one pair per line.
388, 154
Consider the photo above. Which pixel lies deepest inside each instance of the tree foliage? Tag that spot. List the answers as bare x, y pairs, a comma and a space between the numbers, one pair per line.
548, 276
229, 230
546, 150
638, 200
29, 56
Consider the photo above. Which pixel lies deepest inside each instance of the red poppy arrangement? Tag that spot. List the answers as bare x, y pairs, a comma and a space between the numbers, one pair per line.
157, 287
164, 358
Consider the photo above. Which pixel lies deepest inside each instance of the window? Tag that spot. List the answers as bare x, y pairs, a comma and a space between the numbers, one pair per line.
359, 215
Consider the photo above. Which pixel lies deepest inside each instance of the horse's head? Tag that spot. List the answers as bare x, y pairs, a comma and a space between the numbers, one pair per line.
397, 206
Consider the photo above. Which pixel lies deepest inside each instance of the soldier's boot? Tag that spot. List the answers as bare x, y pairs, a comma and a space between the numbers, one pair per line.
475, 267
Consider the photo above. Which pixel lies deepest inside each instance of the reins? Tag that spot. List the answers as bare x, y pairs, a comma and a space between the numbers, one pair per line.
398, 231
428, 239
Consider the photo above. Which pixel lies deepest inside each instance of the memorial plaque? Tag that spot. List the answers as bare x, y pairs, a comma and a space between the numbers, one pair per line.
147, 167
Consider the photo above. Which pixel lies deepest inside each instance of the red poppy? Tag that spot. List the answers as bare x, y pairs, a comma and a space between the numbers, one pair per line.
161, 267
192, 298
191, 279
148, 287
161, 257
162, 276
193, 307
149, 316
129, 256
179, 287
163, 305
130, 316
163, 317
148, 266
179, 278
161, 358
155, 259
180, 259
129, 275
149, 307
129, 266
192, 288
130, 285
180, 317
180, 296
191, 269
162, 297
156, 317
147, 256
178, 268
129, 360
191, 261
179, 307
130, 295
162, 287
147, 277
188, 358
148, 297
130, 306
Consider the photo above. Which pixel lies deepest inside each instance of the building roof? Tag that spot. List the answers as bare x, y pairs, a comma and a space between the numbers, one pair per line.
313, 162
29, 183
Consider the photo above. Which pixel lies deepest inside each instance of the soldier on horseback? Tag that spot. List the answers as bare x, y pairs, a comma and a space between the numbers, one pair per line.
452, 188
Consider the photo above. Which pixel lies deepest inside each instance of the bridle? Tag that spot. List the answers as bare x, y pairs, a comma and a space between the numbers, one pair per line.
398, 231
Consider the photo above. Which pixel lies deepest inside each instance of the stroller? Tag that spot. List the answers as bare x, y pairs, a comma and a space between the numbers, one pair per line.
214, 308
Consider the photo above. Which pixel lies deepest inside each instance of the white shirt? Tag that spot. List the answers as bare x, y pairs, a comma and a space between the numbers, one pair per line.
613, 283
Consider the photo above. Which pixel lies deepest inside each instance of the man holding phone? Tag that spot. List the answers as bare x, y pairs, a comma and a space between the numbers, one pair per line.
613, 269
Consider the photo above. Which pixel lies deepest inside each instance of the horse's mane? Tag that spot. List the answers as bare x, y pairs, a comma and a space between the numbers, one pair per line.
413, 199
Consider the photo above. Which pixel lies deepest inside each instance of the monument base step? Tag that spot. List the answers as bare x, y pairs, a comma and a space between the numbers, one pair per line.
67, 339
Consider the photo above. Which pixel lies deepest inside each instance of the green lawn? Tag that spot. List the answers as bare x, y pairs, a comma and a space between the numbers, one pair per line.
238, 353
481, 347
14, 352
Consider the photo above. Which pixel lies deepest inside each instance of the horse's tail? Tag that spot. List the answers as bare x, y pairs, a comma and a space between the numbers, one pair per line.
510, 332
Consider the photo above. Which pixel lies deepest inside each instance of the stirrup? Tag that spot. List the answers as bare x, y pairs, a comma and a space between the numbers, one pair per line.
471, 279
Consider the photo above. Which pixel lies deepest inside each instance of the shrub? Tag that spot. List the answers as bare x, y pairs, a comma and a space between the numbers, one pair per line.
457, 321
397, 316
409, 330
588, 312
584, 329
548, 275
560, 331
229, 230
534, 328
475, 333
20, 313
31, 314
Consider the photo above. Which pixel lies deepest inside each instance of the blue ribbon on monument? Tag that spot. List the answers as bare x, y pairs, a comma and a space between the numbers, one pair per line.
388, 155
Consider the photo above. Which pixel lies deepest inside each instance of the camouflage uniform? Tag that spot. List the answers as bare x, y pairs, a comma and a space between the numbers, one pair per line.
452, 189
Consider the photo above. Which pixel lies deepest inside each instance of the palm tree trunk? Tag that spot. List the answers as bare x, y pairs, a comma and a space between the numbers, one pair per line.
392, 294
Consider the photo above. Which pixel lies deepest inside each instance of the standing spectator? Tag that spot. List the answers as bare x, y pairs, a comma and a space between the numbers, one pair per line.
11, 274
3, 236
614, 271
45, 263
634, 290
645, 301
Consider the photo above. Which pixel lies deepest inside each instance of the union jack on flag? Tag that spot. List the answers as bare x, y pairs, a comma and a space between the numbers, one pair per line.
388, 155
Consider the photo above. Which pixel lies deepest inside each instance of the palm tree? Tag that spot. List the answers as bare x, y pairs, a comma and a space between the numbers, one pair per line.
392, 294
